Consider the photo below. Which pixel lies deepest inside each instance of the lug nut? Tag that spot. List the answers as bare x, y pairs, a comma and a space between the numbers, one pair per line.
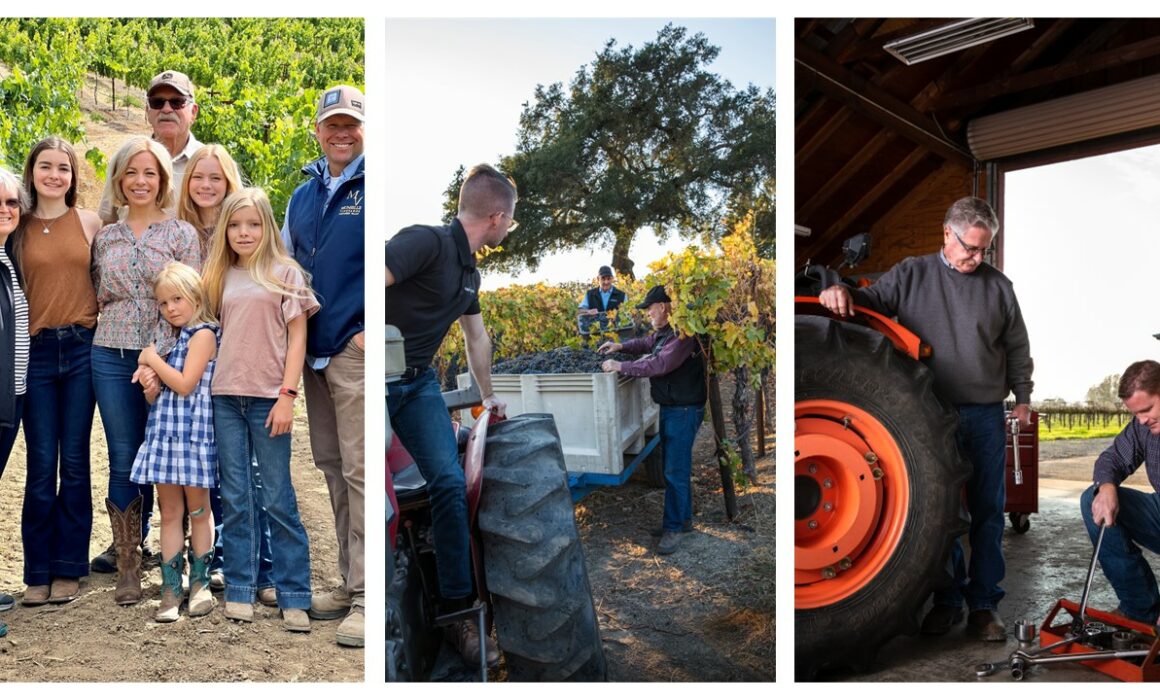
828, 483
813, 525
827, 506
870, 457
877, 473
829, 572
845, 563
812, 468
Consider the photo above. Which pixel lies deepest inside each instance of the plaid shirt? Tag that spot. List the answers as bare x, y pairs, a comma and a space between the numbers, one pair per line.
179, 445
1134, 445
123, 270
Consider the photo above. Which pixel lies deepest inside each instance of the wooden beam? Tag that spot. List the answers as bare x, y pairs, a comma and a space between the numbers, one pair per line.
850, 168
875, 103
824, 133
1071, 68
871, 49
871, 195
1043, 40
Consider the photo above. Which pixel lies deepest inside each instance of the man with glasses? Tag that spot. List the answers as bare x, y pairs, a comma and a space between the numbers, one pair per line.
170, 109
967, 311
432, 281
324, 230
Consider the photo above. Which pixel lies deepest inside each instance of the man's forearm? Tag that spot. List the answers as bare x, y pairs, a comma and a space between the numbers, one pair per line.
479, 362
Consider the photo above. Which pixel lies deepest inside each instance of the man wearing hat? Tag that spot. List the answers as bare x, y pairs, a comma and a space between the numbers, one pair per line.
603, 298
324, 230
171, 110
675, 367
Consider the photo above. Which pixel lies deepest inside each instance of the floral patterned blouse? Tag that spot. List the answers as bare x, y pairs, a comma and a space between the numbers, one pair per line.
124, 267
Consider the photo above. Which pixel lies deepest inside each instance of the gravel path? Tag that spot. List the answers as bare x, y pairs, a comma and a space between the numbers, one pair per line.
1062, 449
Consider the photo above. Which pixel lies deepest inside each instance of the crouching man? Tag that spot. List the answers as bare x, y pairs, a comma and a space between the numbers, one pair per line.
1132, 516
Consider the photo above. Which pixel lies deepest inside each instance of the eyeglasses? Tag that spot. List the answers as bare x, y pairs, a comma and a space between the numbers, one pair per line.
11, 203
513, 225
175, 102
973, 250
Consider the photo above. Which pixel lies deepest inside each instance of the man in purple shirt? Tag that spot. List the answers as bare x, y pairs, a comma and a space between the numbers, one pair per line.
675, 367
1132, 517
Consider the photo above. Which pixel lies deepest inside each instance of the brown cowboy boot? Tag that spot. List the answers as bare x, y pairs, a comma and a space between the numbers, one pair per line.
127, 541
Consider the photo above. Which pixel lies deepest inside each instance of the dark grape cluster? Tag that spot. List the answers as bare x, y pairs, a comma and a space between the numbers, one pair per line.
558, 361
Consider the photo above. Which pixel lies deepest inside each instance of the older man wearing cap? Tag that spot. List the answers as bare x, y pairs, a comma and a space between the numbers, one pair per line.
324, 229
675, 367
170, 109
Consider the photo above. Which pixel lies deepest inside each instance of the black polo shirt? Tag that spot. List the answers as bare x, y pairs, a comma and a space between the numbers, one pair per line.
435, 283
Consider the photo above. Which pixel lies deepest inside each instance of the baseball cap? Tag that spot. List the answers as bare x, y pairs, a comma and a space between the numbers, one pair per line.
178, 81
605, 271
656, 294
340, 99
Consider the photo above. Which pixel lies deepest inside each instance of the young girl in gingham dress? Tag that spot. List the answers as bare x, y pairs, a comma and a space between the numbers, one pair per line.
179, 453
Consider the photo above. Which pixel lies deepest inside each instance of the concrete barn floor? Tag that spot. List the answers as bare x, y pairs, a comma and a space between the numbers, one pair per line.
1048, 562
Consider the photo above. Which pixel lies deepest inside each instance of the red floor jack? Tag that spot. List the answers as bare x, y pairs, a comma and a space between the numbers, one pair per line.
1111, 644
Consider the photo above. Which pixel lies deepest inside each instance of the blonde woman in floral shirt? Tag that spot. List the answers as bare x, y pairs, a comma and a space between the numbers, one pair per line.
127, 255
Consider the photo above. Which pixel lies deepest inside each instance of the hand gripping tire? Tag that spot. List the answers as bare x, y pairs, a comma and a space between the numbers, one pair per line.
544, 617
877, 491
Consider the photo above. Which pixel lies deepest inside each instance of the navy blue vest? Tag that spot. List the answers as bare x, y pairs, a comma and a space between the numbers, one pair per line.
329, 246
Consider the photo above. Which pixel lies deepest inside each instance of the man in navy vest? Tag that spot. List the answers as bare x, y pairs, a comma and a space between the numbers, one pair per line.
675, 367
324, 230
599, 300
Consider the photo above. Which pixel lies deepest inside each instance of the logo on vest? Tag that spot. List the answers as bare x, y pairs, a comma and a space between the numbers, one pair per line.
353, 204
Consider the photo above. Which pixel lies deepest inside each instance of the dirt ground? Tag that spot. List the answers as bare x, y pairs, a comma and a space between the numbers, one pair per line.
92, 638
705, 613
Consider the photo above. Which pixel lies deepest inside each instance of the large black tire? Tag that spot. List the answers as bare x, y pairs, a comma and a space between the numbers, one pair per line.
847, 363
544, 617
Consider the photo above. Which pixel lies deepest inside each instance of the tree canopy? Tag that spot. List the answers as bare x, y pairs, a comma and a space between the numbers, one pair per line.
644, 137
1105, 395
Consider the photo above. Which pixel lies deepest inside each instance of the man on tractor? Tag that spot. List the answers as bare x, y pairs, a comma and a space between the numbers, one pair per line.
432, 281
1132, 517
967, 311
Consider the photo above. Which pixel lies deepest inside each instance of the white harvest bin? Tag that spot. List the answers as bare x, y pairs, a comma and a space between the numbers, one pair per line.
600, 416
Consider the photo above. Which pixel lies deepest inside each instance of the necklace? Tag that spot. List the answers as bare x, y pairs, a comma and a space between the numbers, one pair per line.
49, 224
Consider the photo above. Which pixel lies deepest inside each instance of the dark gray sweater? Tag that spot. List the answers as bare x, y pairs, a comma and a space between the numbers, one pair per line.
971, 321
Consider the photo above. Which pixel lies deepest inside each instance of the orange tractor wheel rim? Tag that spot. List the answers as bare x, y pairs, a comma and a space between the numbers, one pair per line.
851, 500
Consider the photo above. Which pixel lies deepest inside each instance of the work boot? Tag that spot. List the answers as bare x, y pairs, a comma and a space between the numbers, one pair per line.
295, 620
106, 561
268, 596
171, 595
670, 542
35, 595
986, 626
660, 531
465, 637
241, 612
350, 631
941, 619
217, 580
127, 541
330, 606
200, 599
64, 590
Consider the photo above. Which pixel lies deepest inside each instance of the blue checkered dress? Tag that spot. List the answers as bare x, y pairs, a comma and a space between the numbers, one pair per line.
179, 445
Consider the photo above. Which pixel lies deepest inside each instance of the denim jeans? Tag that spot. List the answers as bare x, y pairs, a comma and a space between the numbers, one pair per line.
56, 522
124, 412
265, 559
679, 425
1137, 525
982, 437
419, 417
244, 442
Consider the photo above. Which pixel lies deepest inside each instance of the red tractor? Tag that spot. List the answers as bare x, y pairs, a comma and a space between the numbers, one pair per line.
527, 557
877, 480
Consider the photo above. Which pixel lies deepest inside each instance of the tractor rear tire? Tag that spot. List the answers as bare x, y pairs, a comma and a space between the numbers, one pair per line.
851, 378
534, 562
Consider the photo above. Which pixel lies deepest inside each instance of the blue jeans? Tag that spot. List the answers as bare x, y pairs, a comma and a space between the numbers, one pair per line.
243, 442
58, 418
419, 417
124, 412
265, 560
679, 425
1137, 525
982, 437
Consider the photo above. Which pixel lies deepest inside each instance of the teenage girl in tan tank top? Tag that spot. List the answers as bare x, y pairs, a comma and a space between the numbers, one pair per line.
53, 244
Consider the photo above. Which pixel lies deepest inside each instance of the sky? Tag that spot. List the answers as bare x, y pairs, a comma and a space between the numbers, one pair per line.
465, 82
1080, 244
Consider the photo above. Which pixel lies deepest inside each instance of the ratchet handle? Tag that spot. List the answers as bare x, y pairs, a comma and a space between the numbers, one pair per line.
1013, 423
